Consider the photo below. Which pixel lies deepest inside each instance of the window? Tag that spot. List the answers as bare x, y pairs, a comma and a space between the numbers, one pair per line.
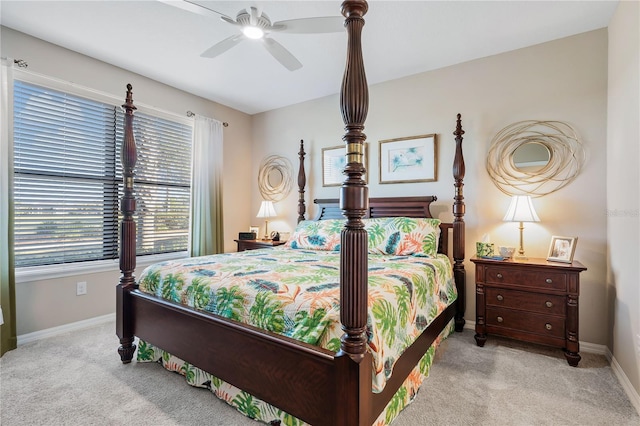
68, 179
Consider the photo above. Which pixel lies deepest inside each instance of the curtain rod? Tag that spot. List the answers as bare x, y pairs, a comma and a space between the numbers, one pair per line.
191, 114
21, 63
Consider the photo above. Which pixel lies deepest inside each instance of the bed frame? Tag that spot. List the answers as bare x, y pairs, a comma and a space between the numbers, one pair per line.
313, 384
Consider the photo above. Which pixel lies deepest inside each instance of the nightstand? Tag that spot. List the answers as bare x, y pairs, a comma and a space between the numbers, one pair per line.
257, 244
531, 300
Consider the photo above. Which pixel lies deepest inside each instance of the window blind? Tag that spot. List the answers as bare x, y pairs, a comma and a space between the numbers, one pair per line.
68, 179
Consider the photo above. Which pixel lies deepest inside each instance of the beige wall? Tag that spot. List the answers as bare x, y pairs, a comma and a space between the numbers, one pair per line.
561, 80
623, 190
49, 303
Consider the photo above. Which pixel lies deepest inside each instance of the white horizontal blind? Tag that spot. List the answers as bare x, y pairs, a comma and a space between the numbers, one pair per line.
162, 182
68, 181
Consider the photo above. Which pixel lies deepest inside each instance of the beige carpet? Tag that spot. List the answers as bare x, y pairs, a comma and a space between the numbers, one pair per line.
78, 380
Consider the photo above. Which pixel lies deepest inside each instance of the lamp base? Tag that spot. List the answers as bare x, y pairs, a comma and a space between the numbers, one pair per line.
266, 231
520, 258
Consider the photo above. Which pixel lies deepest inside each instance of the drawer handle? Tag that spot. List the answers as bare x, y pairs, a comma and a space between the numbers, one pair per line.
548, 304
499, 297
500, 319
548, 326
499, 275
548, 280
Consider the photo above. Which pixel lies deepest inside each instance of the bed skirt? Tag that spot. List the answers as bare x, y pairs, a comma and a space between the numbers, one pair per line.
259, 410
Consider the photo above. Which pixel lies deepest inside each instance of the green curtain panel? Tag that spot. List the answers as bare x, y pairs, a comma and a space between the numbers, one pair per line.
8, 339
207, 233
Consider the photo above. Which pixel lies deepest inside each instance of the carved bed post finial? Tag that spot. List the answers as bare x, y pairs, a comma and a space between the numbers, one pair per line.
124, 326
354, 196
458, 225
302, 182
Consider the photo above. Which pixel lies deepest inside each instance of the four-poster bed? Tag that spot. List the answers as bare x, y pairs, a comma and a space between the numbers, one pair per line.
316, 385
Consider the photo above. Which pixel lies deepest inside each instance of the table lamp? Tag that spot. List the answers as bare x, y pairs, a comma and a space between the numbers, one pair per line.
521, 210
266, 211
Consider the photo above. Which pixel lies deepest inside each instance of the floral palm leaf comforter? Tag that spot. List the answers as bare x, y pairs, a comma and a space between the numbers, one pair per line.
296, 293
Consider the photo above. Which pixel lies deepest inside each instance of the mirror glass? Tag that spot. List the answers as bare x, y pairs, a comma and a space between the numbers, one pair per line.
531, 157
274, 178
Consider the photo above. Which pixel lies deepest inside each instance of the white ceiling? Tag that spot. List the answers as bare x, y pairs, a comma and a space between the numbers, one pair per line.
400, 38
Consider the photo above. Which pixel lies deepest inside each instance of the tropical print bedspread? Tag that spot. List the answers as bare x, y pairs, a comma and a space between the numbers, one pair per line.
296, 293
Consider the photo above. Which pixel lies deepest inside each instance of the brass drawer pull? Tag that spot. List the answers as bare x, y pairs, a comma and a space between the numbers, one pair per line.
499, 297
499, 275
548, 304
548, 280
548, 326
500, 319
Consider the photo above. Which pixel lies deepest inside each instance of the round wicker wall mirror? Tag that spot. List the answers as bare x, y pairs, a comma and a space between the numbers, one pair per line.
274, 178
535, 158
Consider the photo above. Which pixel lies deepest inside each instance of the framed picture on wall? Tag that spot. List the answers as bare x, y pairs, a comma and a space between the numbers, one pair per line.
333, 163
410, 159
561, 249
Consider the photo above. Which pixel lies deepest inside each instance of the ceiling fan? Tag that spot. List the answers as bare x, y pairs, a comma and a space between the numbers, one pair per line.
256, 25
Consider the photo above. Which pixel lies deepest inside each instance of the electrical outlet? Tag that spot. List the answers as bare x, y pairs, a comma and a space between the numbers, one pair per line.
81, 288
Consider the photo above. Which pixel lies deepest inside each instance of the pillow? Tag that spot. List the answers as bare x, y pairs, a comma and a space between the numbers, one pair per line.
317, 235
403, 236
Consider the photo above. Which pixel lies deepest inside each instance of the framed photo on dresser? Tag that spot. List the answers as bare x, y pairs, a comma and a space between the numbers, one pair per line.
562, 249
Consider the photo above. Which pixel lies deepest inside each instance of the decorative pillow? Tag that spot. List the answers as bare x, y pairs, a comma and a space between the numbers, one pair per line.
403, 236
317, 235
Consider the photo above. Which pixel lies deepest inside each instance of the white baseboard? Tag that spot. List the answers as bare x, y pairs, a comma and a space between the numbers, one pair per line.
631, 392
66, 328
469, 325
595, 349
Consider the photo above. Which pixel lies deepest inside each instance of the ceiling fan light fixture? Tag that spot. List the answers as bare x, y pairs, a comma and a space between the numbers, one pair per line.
256, 25
252, 32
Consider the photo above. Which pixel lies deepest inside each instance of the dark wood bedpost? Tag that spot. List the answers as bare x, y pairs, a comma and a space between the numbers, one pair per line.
458, 226
124, 321
354, 198
354, 202
302, 182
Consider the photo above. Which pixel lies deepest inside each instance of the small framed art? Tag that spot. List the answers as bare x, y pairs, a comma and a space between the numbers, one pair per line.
561, 249
254, 229
333, 163
410, 159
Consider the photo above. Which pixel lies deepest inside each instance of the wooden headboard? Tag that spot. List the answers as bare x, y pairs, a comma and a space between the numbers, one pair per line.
388, 207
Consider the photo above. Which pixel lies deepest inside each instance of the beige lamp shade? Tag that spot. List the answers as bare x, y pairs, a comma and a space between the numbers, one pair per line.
266, 211
521, 210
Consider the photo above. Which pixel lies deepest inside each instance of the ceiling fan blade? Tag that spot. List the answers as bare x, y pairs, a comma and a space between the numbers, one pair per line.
229, 20
253, 15
222, 46
281, 54
194, 8
325, 24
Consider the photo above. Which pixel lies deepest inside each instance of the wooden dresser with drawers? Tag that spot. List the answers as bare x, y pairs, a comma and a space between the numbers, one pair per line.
531, 300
